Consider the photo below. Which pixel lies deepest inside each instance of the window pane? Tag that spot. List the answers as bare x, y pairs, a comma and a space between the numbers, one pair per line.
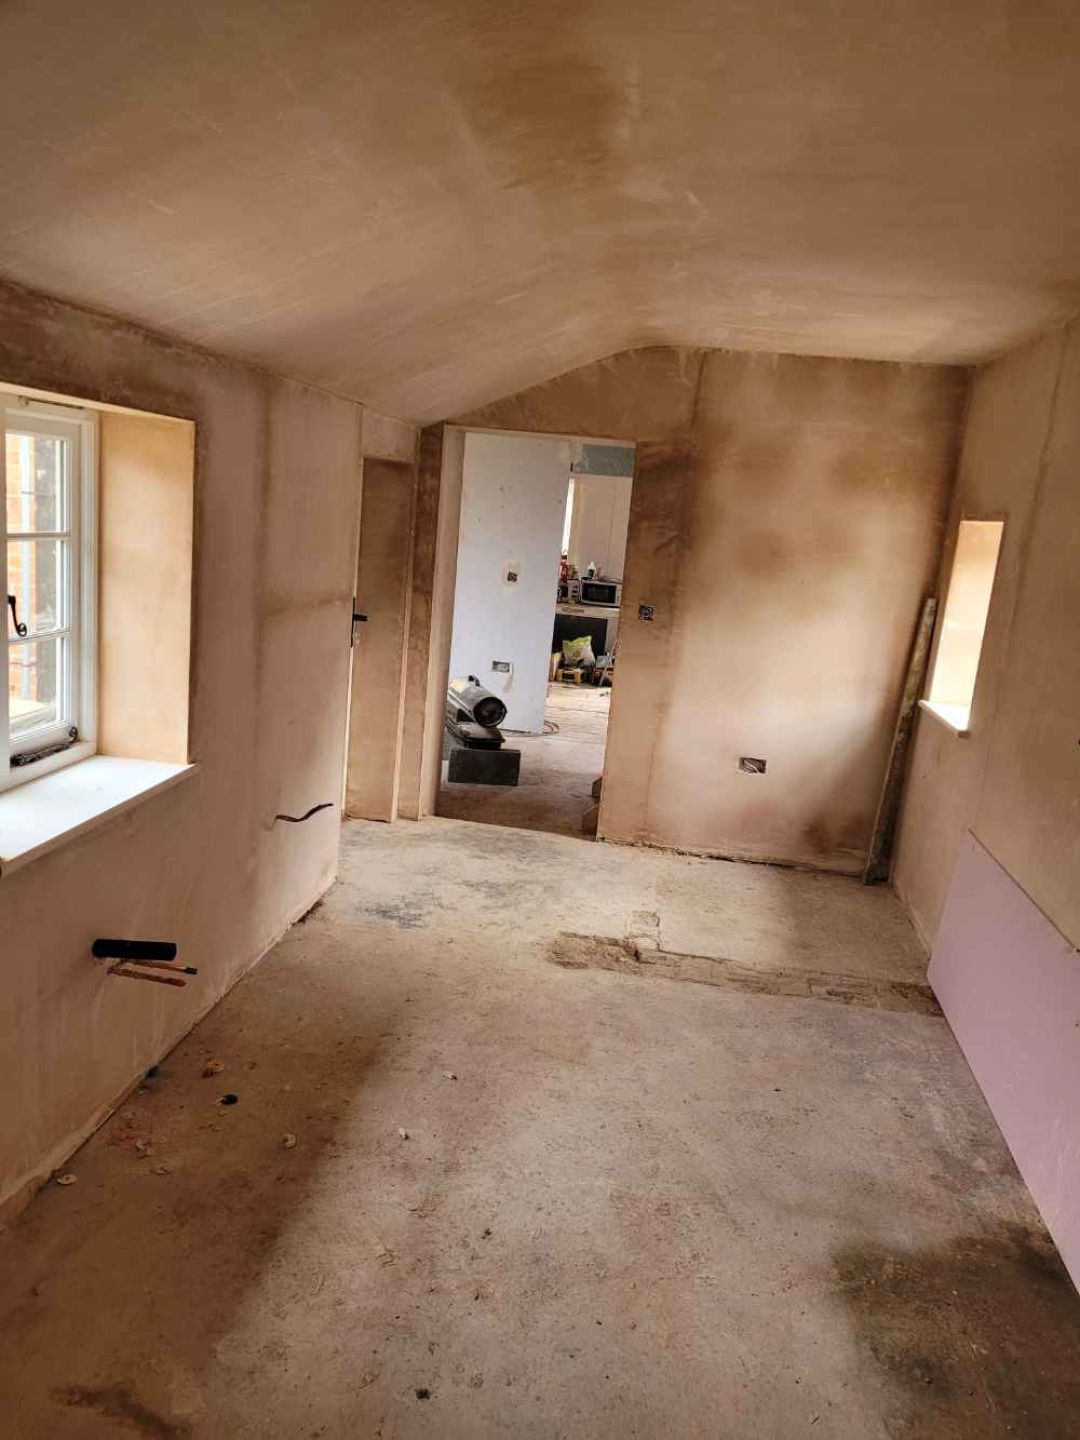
967, 608
34, 578
35, 470
33, 685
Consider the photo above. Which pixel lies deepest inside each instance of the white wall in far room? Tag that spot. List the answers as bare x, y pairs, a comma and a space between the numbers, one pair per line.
600, 522
512, 507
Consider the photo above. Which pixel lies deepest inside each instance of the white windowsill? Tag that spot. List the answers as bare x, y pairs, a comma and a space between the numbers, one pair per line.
41, 814
956, 718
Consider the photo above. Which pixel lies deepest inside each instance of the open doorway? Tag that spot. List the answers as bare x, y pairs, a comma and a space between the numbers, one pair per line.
541, 548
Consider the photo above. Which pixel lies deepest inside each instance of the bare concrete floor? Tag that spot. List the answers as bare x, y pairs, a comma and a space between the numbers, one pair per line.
557, 769
533, 1201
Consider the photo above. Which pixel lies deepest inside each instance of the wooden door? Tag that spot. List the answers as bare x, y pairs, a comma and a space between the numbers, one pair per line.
383, 582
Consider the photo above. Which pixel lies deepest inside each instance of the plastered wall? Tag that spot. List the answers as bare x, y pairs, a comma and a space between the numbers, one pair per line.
276, 497
786, 521
1015, 780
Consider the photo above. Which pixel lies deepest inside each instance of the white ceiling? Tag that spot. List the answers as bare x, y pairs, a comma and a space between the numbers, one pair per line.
426, 204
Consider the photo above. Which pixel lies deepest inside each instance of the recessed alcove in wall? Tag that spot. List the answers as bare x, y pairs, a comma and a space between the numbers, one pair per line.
146, 518
963, 626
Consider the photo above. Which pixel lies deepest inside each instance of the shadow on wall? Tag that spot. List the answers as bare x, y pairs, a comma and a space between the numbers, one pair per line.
784, 644
838, 794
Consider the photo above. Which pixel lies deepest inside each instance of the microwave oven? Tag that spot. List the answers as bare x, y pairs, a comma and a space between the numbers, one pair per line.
601, 592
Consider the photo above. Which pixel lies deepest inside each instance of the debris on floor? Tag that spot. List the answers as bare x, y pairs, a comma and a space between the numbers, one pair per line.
638, 957
683, 1162
643, 929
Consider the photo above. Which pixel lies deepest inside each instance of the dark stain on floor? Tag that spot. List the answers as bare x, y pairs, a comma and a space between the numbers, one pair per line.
408, 915
119, 1403
974, 1340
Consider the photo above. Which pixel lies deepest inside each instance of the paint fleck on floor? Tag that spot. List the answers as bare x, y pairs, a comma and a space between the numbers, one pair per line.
534, 1201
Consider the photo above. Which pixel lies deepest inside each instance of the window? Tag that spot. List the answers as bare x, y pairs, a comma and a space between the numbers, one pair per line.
47, 564
963, 625
568, 518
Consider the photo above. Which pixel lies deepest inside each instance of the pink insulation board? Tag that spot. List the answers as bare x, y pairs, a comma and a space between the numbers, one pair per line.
1009, 984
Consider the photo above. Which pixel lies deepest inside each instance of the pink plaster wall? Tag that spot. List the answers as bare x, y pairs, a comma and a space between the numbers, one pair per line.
1009, 984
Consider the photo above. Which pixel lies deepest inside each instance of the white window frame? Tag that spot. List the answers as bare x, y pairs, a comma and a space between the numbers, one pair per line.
78, 621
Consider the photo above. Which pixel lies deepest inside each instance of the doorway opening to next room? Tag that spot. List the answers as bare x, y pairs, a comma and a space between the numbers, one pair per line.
537, 603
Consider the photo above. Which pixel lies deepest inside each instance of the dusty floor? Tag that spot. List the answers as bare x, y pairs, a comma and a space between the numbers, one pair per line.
557, 769
527, 1200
